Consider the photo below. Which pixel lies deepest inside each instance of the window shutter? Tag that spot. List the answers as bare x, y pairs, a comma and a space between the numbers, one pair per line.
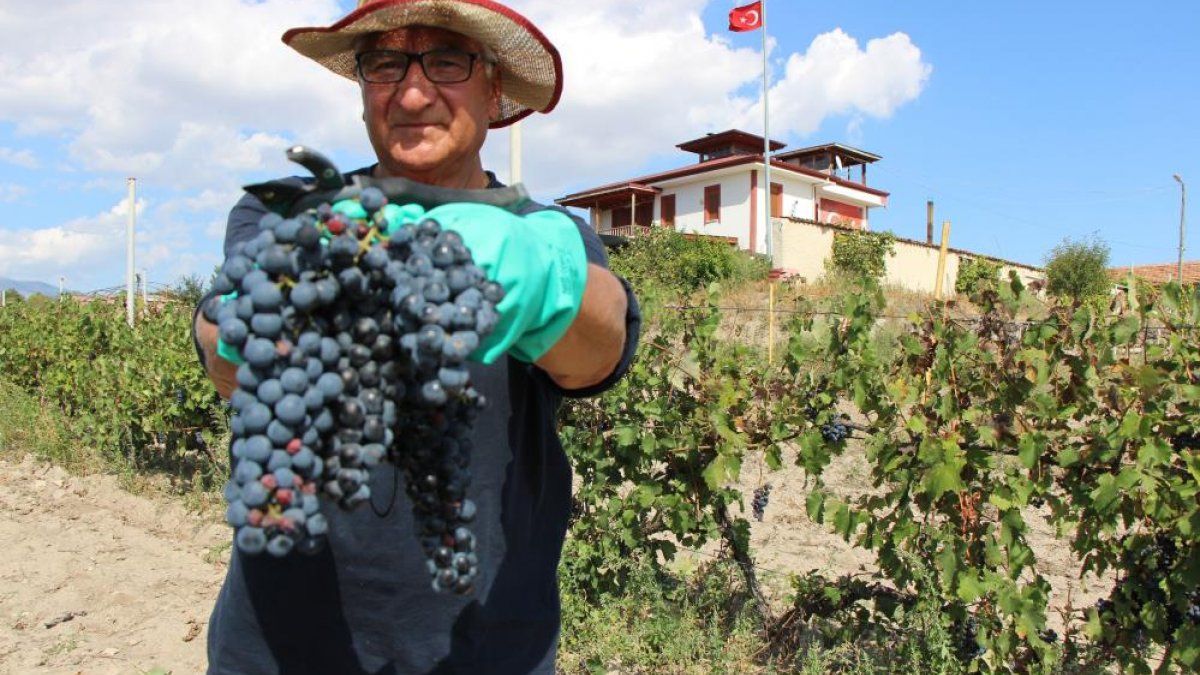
712, 203
668, 211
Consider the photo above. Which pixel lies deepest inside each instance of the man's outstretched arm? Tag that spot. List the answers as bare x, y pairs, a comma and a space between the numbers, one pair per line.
222, 373
592, 346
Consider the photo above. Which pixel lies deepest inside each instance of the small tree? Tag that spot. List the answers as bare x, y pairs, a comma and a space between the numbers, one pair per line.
975, 275
862, 255
1078, 270
190, 288
670, 259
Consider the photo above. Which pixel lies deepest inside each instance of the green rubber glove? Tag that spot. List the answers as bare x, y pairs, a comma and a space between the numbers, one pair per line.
540, 262
224, 349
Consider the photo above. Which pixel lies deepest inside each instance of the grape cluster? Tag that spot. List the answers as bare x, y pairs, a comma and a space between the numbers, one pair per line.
758, 505
1184, 442
1147, 561
355, 329
965, 634
835, 432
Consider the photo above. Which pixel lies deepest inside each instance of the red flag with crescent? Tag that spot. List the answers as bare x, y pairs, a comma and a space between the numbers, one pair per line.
746, 18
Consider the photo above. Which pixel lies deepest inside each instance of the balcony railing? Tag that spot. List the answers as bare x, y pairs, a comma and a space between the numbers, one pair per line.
627, 231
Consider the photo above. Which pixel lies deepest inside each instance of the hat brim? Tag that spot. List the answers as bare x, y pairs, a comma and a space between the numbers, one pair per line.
530, 66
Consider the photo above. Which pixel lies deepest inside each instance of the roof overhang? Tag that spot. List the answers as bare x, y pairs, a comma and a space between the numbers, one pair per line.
844, 150
616, 193
722, 139
852, 195
608, 197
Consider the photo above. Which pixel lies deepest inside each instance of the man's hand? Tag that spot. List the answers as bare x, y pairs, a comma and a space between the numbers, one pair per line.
222, 373
559, 312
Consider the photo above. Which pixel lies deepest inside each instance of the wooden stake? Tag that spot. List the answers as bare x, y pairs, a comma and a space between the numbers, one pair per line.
771, 325
941, 268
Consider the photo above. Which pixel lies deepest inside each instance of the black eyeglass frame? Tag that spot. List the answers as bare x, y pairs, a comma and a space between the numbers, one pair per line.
420, 58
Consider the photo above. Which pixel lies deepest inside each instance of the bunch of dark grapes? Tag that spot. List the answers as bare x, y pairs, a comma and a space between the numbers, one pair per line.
1184, 442
758, 505
355, 332
965, 634
835, 432
1146, 561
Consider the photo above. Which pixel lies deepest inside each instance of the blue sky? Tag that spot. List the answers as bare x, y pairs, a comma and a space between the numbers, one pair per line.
1026, 123
1041, 120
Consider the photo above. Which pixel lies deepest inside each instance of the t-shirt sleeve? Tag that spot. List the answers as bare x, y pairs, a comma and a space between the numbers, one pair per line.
241, 227
633, 314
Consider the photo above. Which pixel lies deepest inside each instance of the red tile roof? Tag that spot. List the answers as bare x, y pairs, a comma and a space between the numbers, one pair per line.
1162, 273
579, 198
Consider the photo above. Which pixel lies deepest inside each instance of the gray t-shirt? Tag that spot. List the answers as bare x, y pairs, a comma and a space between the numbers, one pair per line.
365, 604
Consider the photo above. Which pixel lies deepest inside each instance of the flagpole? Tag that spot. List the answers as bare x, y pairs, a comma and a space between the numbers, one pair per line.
767, 142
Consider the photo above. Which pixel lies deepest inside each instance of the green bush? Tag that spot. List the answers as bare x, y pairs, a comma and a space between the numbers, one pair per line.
861, 255
1078, 270
669, 259
137, 396
976, 275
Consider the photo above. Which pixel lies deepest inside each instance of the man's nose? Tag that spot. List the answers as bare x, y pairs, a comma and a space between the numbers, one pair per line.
415, 91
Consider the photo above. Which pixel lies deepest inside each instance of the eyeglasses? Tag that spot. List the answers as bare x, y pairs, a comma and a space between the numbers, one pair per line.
441, 66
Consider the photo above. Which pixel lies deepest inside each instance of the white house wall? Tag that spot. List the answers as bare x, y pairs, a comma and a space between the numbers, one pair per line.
734, 213
735, 205
803, 249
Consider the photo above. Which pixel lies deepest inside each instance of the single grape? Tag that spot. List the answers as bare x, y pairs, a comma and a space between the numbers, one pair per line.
251, 540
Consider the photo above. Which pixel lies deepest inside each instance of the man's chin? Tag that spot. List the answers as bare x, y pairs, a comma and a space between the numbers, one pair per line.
418, 162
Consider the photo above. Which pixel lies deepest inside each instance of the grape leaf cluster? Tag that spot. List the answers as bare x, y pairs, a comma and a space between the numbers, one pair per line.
355, 328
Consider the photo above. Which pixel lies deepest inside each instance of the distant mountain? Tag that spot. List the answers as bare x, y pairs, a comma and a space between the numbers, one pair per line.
28, 288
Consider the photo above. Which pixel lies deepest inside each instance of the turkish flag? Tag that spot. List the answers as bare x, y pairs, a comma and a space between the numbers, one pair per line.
746, 18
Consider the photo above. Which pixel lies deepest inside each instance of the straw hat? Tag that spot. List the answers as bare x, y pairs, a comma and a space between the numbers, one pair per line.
531, 69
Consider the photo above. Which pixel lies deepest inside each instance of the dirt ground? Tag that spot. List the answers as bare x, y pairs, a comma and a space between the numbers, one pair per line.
787, 541
96, 580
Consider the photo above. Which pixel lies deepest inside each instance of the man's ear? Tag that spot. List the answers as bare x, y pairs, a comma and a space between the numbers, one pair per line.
494, 105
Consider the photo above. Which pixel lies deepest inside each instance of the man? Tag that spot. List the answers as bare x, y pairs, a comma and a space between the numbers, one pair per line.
434, 76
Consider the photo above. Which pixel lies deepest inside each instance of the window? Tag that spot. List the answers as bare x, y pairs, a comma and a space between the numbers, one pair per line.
644, 213
776, 200
667, 211
620, 217
712, 203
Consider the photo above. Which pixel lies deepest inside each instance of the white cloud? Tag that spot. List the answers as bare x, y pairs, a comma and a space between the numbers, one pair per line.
197, 99
90, 251
73, 248
643, 75
21, 158
193, 94
10, 192
177, 92
836, 77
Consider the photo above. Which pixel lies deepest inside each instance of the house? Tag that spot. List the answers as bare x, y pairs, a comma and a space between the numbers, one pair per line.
720, 195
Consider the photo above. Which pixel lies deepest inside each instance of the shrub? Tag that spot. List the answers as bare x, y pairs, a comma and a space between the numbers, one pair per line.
975, 275
190, 289
1078, 271
667, 258
861, 255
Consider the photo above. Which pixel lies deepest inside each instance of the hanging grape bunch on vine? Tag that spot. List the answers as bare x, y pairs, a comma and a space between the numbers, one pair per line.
758, 505
352, 322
